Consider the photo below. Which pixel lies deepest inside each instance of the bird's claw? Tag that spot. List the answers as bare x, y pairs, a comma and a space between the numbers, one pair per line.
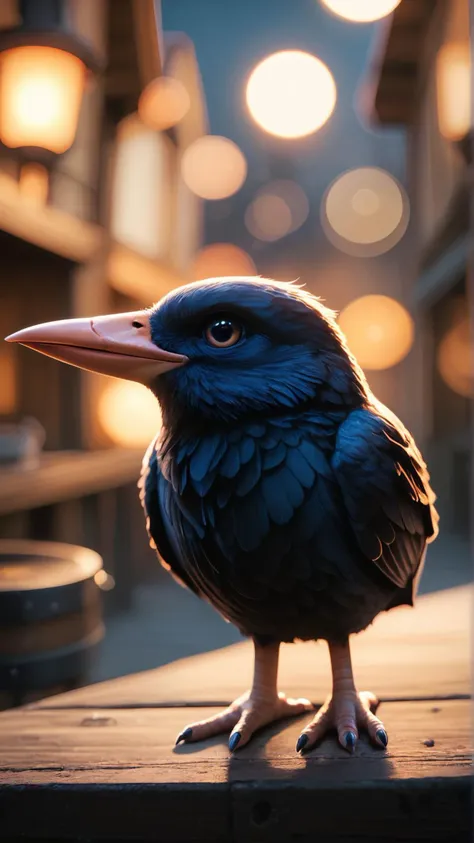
242, 718
346, 712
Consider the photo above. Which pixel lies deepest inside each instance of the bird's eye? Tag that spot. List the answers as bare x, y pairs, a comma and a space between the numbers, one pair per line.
223, 333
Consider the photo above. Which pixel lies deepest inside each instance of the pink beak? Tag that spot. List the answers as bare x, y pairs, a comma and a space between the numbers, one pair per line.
119, 345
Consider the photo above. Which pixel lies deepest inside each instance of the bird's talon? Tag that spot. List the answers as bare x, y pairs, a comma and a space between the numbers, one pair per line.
184, 736
234, 741
350, 741
382, 737
301, 742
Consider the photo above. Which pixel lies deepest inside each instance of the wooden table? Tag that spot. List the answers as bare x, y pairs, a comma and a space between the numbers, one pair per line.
99, 763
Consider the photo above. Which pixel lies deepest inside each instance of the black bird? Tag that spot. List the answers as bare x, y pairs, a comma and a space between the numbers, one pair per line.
279, 489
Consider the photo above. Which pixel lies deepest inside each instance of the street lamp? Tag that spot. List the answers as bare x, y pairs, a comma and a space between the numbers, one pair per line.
43, 72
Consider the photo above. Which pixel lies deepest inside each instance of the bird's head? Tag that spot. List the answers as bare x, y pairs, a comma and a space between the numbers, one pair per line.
221, 349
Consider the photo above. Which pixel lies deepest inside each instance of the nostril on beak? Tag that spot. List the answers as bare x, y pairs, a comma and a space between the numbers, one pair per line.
136, 324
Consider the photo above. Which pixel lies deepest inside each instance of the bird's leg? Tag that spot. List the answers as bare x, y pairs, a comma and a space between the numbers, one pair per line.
254, 709
345, 710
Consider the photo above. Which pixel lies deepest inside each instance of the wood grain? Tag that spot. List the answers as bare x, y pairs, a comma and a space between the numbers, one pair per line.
99, 764
115, 775
37, 745
421, 652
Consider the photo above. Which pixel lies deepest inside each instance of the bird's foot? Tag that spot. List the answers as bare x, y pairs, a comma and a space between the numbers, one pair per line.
243, 717
347, 712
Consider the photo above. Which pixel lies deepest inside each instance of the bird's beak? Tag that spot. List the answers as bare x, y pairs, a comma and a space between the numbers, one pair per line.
119, 345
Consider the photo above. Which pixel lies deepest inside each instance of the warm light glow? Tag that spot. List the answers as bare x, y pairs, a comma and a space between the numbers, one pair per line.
278, 209
163, 103
268, 217
453, 78
34, 183
365, 211
141, 189
291, 94
213, 167
129, 414
40, 96
361, 11
456, 359
8, 381
379, 331
221, 259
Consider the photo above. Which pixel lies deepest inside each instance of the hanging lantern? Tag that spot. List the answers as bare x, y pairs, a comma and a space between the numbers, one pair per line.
43, 72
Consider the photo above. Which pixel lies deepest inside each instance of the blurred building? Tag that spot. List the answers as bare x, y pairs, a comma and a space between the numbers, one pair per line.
106, 225
423, 81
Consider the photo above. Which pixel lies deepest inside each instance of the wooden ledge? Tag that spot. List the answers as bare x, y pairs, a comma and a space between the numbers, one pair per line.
112, 773
65, 475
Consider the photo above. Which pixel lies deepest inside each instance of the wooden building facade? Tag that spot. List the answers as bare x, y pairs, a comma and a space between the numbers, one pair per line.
423, 81
110, 226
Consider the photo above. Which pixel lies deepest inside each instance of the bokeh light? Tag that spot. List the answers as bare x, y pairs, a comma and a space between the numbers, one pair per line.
456, 359
213, 167
268, 217
361, 11
221, 259
129, 413
453, 81
379, 331
291, 94
163, 103
278, 209
365, 212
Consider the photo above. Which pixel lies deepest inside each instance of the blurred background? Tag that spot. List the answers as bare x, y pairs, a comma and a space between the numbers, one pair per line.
143, 145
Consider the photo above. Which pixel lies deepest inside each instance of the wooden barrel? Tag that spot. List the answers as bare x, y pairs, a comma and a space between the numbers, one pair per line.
50, 614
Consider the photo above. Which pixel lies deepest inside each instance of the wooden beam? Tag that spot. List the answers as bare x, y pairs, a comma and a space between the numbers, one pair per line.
149, 38
139, 277
438, 279
395, 63
47, 227
67, 475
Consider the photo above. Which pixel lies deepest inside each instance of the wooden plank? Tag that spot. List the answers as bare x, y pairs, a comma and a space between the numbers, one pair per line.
65, 475
406, 653
47, 227
394, 70
149, 37
118, 776
39, 745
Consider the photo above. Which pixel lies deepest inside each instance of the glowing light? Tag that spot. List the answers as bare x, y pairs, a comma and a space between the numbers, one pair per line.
278, 209
213, 167
453, 77
220, 260
268, 217
34, 183
365, 211
104, 580
361, 11
163, 103
379, 331
456, 359
9, 381
291, 94
40, 96
141, 188
129, 413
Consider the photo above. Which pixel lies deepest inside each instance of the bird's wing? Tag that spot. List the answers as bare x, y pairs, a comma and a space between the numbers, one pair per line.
386, 492
154, 492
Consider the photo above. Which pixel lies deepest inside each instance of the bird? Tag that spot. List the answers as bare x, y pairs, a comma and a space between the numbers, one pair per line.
279, 488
